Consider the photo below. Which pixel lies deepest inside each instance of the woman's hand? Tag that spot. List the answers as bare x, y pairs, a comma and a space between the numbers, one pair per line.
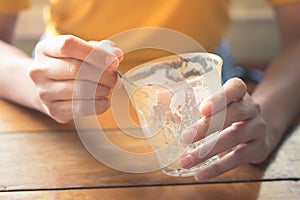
244, 133
55, 75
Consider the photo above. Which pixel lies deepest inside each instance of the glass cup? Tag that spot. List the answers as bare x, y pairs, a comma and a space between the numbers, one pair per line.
166, 94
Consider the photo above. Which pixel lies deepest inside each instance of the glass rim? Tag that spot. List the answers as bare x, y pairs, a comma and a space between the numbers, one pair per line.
171, 57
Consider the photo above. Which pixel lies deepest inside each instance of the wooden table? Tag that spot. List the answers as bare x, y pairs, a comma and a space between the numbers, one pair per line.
40, 159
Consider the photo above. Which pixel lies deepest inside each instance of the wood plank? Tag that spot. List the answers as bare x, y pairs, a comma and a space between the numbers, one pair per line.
14, 118
285, 161
247, 191
59, 160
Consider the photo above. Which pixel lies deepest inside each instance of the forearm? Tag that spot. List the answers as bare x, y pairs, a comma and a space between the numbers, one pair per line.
278, 93
15, 83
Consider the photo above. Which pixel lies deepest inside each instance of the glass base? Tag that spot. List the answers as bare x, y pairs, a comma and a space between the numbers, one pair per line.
181, 172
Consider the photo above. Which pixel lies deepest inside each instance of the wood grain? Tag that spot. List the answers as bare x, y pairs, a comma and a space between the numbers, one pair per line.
246, 191
41, 159
15, 118
59, 160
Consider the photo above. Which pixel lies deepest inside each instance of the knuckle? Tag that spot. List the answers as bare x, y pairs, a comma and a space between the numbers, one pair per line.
240, 84
44, 95
263, 149
261, 125
53, 111
217, 168
238, 157
39, 47
233, 132
67, 44
57, 114
35, 74
237, 108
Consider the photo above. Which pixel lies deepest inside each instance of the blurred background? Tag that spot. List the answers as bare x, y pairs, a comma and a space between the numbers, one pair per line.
252, 35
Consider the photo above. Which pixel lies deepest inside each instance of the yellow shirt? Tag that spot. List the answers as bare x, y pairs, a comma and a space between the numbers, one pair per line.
203, 20
99, 19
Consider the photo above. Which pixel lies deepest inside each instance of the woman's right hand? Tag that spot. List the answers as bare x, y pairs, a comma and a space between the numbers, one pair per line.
55, 75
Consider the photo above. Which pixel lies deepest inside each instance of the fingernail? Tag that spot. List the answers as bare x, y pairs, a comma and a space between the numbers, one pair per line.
187, 161
188, 135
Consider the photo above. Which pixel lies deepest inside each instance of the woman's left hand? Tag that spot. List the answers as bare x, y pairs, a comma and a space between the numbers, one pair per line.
244, 134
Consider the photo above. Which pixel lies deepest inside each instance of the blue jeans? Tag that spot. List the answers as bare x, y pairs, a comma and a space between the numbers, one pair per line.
229, 70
